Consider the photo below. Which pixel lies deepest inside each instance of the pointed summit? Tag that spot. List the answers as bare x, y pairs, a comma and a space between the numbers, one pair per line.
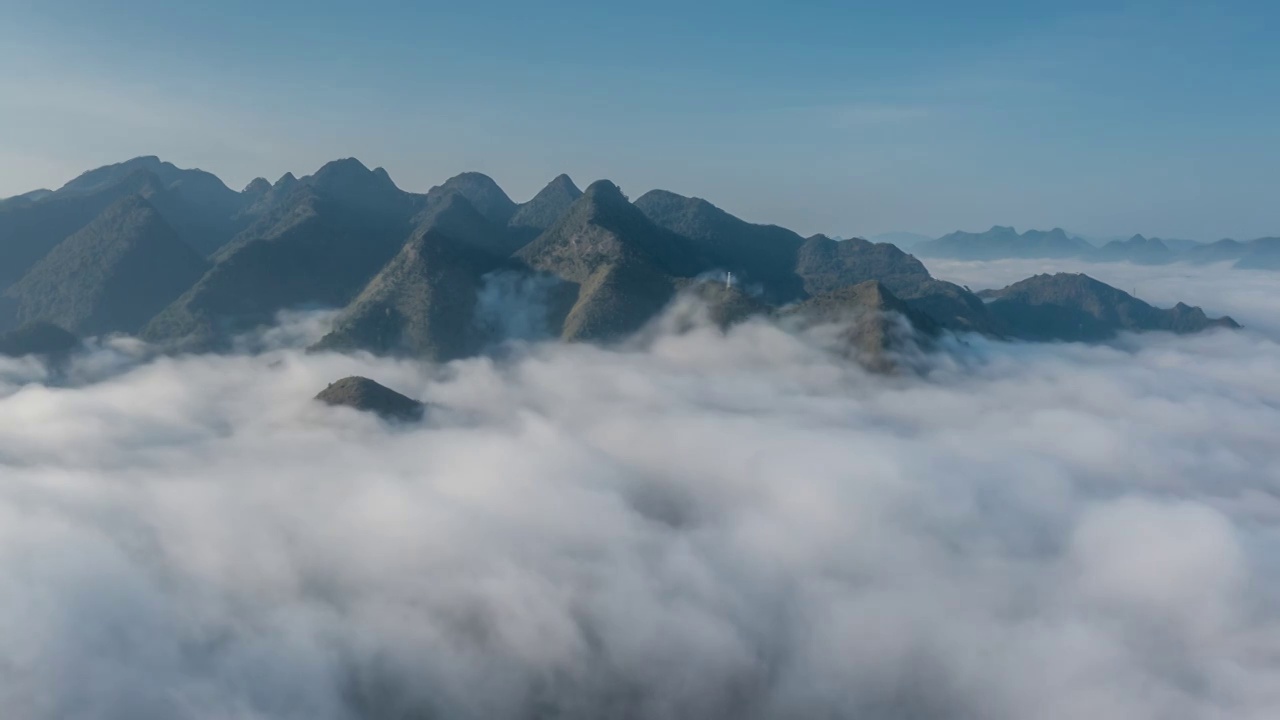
1005, 242
481, 191
111, 276
349, 182
548, 206
1137, 249
563, 183
257, 187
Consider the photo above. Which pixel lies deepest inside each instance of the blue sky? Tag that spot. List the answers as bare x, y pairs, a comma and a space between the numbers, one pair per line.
838, 117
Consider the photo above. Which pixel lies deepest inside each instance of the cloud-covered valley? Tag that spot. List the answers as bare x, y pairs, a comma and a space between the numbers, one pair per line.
706, 524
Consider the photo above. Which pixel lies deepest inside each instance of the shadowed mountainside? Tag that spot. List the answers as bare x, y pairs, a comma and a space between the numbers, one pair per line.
113, 275
422, 304
38, 338
124, 247
318, 245
1069, 306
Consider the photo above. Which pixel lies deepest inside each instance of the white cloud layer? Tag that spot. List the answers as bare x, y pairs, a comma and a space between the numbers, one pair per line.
708, 526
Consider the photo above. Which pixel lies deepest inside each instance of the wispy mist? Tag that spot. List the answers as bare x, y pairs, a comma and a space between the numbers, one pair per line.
704, 524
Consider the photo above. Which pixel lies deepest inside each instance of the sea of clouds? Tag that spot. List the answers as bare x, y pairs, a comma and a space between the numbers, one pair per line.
696, 525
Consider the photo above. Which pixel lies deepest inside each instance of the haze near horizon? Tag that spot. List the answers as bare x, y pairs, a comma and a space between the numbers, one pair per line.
1108, 119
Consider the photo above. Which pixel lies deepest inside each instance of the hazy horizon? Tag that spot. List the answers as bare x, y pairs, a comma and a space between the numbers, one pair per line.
1106, 119
632, 193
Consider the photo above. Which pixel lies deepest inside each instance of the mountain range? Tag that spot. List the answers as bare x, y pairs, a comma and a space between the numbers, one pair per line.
1002, 242
175, 256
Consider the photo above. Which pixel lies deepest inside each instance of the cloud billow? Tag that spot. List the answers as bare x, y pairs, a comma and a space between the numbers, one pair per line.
703, 524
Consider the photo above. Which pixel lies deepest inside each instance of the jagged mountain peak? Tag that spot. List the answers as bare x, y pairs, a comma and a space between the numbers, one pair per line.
561, 191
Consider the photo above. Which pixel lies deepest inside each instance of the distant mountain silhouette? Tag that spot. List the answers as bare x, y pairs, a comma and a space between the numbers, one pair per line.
365, 395
1005, 242
904, 240
1220, 251
113, 275
1261, 254
1069, 306
1137, 249
1179, 246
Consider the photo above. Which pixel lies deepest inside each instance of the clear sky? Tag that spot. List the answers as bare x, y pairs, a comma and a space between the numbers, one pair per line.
1106, 118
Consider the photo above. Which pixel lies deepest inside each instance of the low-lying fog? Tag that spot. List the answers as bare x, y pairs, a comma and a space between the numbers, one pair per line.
696, 526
